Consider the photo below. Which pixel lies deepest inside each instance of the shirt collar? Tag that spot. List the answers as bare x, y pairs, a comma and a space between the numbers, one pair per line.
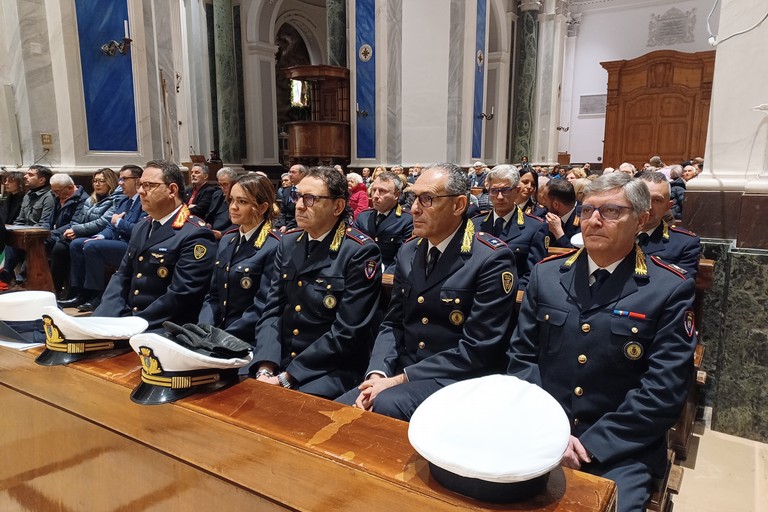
444, 244
169, 216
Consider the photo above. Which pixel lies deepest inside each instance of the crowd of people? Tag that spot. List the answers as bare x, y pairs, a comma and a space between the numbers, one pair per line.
607, 328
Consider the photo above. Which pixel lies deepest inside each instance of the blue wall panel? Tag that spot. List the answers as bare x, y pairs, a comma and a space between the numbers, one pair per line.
365, 75
110, 109
477, 121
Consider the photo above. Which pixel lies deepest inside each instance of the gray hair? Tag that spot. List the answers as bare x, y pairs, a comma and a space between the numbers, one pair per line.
356, 178
226, 171
626, 166
636, 191
675, 171
201, 166
458, 181
63, 179
285, 176
505, 172
396, 168
390, 176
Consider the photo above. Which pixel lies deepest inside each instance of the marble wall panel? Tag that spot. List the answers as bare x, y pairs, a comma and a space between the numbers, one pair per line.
455, 81
394, 81
153, 121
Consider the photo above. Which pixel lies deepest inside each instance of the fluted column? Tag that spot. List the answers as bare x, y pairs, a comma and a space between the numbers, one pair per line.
226, 82
526, 84
336, 20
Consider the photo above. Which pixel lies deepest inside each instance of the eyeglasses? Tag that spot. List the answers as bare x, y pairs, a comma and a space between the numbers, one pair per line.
126, 178
426, 200
309, 199
607, 211
99, 182
149, 186
505, 191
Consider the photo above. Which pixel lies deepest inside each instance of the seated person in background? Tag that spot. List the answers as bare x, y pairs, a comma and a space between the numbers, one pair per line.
477, 174
91, 257
675, 246
452, 308
609, 333
218, 215
13, 195
358, 194
70, 199
562, 213
166, 270
528, 192
284, 189
36, 211
287, 219
386, 222
199, 194
523, 233
678, 179
245, 260
316, 330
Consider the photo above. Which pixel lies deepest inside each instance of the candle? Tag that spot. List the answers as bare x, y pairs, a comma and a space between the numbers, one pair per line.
125, 27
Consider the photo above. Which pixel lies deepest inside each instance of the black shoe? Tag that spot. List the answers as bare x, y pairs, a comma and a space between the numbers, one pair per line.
72, 303
90, 305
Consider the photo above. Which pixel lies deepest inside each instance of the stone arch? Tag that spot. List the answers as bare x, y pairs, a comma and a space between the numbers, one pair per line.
309, 32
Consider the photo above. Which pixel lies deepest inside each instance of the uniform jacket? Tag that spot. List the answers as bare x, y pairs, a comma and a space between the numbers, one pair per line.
240, 282
570, 228
531, 207
63, 214
390, 234
133, 214
620, 364
36, 208
218, 215
675, 245
454, 324
164, 276
524, 235
317, 323
94, 217
202, 203
287, 211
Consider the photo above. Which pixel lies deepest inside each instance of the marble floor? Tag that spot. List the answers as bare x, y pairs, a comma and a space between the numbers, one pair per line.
723, 474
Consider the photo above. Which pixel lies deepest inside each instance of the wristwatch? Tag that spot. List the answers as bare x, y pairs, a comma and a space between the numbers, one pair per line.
282, 378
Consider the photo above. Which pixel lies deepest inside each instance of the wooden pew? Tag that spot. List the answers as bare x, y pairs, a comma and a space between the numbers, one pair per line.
31, 240
73, 440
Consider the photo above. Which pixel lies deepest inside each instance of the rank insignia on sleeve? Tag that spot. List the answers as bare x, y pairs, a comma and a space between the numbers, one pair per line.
199, 251
370, 269
689, 323
507, 281
633, 350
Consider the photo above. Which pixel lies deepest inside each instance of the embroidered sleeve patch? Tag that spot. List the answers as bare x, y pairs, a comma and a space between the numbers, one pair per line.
199, 251
689, 323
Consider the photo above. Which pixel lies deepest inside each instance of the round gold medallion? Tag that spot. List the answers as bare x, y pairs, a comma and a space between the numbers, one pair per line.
329, 301
633, 350
457, 317
246, 283
162, 272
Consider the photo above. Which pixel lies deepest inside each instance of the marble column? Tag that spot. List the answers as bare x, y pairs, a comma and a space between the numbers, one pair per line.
526, 83
336, 20
226, 82
549, 75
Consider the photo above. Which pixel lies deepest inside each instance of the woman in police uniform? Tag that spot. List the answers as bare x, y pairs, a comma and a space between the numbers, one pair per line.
528, 187
244, 261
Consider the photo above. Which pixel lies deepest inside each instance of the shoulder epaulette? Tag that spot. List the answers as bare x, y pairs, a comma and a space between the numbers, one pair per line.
557, 256
682, 231
358, 236
490, 240
230, 230
672, 268
197, 221
534, 217
294, 230
398, 211
485, 215
412, 238
276, 234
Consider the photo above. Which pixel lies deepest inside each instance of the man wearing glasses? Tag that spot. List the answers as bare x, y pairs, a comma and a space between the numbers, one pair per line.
523, 233
318, 323
451, 313
166, 270
609, 333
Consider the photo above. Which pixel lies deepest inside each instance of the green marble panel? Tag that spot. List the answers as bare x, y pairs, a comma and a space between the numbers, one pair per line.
336, 21
526, 84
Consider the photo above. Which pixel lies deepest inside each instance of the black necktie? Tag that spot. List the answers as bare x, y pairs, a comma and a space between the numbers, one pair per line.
600, 275
379, 218
498, 226
241, 243
432, 257
643, 238
155, 226
311, 246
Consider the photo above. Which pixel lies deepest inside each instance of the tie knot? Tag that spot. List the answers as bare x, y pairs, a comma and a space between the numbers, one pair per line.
498, 226
600, 275
432, 256
643, 238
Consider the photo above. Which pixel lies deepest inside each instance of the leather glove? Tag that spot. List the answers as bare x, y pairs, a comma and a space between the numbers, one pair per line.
207, 340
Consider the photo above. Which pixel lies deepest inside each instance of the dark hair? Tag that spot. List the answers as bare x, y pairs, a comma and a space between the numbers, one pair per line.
336, 183
260, 190
389, 176
43, 172
535, 175
562, 190
171, 173
135, 170
18, 177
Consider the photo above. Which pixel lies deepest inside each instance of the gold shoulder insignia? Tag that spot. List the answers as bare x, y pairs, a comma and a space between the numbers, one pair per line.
641, 270
398, 211
520, 217
466, 241
665, 230
181, 217
263, 234
576, 220
338, 237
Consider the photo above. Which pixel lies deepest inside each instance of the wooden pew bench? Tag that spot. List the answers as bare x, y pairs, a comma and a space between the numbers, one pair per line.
73, 439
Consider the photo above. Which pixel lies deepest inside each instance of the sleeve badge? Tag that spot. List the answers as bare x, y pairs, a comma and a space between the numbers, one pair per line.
199, 251
370, 269
507, 281
689, 323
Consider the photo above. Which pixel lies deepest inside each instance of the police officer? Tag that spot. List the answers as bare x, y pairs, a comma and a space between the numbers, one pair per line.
244, 261
166, 270
523, 233
676, 246
386, 222
451, 312
562, 215
609, 333
317, 327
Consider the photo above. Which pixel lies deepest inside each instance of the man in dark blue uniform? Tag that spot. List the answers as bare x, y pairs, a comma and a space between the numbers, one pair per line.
609, 332
452, 305
676, 246
386, 222
166, 270
562, 215
523, 233
287, 220
317, 326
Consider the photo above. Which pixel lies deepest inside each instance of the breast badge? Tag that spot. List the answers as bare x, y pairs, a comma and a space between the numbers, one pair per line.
633, 350
456, 317
246, 283
162, 272
329, 301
